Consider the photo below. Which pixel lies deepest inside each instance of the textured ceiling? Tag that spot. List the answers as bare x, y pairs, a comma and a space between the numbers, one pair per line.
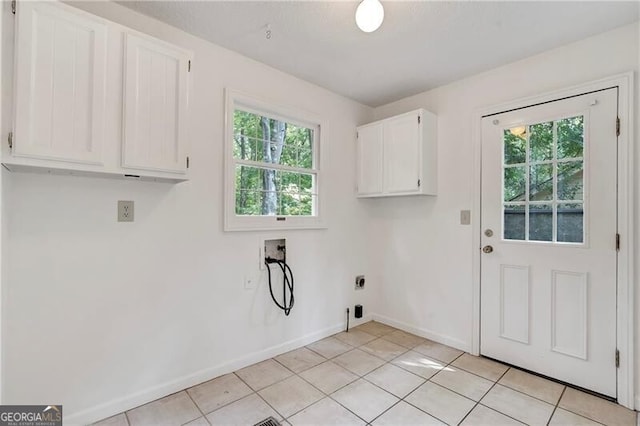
420, 45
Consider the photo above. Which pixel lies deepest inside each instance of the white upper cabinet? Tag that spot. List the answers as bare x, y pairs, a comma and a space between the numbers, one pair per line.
95, 97
369, 168
155, 105
402, 147
60, 84
398, 156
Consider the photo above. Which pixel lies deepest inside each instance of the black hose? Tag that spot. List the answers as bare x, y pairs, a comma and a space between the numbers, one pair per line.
287, 283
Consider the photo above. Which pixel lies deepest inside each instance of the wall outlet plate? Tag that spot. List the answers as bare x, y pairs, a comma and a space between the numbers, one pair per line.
125, 211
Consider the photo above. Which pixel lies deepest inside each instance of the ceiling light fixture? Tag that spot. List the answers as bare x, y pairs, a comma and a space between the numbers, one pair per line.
518, 131
369, 15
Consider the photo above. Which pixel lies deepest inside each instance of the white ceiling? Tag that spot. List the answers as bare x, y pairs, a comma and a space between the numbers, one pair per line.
421, 44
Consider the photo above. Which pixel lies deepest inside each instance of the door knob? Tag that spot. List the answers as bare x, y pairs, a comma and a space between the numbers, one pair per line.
487, 249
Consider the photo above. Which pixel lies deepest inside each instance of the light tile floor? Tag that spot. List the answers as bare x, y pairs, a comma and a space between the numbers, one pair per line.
377, 375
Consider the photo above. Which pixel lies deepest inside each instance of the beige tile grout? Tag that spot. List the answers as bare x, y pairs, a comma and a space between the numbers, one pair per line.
278, 381
485, 394
526, 394
363, 377
197, 406
260, 396
564, 389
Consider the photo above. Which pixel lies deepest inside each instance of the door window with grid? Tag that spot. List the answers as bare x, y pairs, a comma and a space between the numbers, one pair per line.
543, 181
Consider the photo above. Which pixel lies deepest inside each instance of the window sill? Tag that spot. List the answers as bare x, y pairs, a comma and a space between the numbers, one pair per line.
272, 224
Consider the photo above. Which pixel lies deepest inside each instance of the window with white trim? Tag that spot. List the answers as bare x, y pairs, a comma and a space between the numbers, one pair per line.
272, 167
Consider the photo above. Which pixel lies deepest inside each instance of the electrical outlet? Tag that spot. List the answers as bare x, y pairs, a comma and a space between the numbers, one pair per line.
359, 282
125, 211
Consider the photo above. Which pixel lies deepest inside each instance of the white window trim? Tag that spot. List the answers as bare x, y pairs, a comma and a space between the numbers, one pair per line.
233, 222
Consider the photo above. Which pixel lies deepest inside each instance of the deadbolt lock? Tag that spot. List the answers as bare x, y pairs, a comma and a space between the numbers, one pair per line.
488, 233
487, 249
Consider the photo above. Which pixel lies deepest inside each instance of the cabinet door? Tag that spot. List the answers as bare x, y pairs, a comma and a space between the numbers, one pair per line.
60, 83
369, 159
155, 105
402, 154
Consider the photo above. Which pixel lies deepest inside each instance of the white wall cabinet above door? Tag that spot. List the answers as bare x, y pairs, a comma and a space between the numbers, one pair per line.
155, 105
398, 156
60, 84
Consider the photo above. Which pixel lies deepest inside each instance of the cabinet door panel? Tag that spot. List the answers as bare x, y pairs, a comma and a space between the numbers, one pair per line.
155, 104
370, 160
402, 153
60, 83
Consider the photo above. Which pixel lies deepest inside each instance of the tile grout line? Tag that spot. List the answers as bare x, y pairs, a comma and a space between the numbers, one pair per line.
485, 394
359, 377
526, 394
257, 394
271, 384
564, 389
197, 406
476, 374
325, 395
401, 399
316, 352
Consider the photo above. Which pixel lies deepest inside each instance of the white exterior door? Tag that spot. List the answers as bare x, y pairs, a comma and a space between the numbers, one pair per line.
548, 268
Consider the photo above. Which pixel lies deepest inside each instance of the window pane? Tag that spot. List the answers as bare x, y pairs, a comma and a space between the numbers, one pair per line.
263, 139
571, 223
540, 222
514, 222
248, 202
514, 183
271, 192
296, 204
570, 180
541, 141
515, 145
541, 182
245, 123
570, 137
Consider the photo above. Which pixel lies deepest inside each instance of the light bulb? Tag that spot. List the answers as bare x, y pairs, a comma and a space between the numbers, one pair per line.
369, 15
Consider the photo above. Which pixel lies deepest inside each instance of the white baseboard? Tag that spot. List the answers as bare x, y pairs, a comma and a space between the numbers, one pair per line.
128, 402
422, 332
638, 407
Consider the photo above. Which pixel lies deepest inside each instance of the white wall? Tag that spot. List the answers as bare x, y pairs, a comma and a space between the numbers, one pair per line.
101, 316
423, 255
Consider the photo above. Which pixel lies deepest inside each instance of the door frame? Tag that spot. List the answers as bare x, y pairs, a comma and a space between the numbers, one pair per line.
625, 266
